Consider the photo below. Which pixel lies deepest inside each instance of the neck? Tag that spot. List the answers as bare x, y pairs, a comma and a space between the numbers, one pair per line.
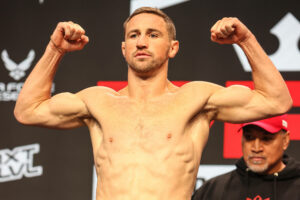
278, 168
143, 86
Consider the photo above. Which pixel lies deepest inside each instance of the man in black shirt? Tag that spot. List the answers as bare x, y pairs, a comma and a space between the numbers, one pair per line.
264, 172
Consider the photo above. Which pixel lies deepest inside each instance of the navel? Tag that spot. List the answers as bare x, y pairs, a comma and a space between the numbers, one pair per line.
111, 140
169, 136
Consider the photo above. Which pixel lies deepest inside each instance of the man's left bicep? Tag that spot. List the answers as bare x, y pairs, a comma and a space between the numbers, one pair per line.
238, 104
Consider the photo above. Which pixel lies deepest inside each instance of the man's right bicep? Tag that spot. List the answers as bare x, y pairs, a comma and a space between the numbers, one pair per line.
64, 110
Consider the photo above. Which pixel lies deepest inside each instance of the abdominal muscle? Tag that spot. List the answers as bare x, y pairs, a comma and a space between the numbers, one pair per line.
139, 169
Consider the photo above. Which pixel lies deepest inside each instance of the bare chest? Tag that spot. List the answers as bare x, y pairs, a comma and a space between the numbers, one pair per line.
148, 128
136, 137
152, 124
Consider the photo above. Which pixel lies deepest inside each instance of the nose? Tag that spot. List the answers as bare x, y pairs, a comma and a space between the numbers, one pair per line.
142, 42
257, 146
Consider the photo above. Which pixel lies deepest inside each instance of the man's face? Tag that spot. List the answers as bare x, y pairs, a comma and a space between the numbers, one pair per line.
147, 45
262, 151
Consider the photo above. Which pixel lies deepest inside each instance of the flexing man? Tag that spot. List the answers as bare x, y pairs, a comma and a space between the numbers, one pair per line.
148, 137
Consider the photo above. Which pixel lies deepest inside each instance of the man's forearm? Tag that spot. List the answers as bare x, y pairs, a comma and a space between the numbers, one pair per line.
37, 87
267, 79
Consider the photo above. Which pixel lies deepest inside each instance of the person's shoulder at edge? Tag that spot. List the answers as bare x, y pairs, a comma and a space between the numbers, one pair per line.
95, 91
209, 187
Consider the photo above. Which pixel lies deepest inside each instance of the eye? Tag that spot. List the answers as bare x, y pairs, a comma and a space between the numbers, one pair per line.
153, 35
133, 35
267, 139
248, 137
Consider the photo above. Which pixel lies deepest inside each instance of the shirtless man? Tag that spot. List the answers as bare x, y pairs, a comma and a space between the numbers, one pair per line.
148, 137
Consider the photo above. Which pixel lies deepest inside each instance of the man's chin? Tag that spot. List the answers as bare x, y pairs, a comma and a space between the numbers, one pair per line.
258, 168
142, 69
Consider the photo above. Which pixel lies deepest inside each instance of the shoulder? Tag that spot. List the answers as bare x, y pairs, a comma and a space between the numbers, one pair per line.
97, 91
199, 88
292, 169
213, 89
213, 187
221, 178
87, 93
201, 85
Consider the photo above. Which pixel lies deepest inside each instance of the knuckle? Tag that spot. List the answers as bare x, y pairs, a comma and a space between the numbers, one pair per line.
60, 24
67, 26
72, 29
218, 34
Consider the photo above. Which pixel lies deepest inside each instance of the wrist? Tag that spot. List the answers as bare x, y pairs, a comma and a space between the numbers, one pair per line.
56, 48
247, 40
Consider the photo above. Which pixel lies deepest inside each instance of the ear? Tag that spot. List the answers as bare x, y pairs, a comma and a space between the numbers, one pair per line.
286, 140
174, 47
123, 48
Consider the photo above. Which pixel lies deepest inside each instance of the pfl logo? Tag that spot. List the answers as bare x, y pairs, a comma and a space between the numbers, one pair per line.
16, 164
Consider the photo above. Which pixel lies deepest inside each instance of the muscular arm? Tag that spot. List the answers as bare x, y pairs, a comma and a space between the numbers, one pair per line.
35, 106
238, 103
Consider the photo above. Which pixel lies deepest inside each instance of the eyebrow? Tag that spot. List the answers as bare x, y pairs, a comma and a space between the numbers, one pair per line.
154, 30
149, 30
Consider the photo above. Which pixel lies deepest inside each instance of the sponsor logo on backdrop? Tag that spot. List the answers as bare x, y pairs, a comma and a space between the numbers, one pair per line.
17, 71
287, 56
134, 4
18, 163
10, 91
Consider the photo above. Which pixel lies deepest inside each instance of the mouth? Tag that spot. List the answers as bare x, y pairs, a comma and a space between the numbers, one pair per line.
257, 159
142, 55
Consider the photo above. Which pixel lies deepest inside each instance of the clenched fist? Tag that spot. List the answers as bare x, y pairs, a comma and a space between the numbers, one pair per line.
68, 36
229, 30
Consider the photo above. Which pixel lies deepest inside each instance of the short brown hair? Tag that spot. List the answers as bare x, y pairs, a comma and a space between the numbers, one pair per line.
170, 24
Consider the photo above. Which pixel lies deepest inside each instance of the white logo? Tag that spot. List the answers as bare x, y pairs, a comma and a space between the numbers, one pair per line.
134, 4
17, 71
287, 57
10, 91
18, 163
284, 123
